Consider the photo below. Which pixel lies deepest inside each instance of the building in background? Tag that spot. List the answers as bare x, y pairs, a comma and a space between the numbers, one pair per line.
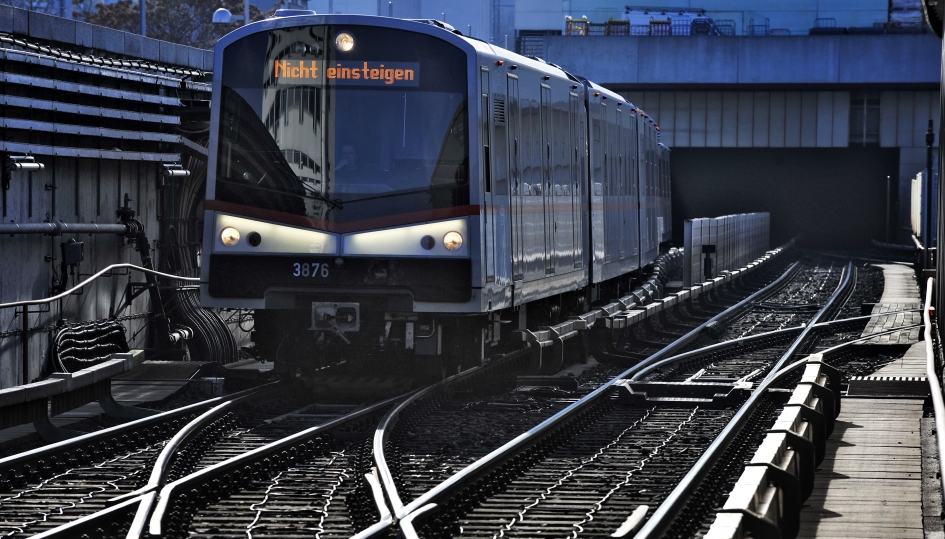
730, 74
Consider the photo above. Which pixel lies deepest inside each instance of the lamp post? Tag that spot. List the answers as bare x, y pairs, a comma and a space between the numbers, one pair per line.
927, 226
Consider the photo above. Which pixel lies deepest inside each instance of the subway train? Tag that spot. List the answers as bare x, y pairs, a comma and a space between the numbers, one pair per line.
389, 188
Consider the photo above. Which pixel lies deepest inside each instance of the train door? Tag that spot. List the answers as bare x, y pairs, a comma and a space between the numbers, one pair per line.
620, 153
533, 216
578, 150
488, 243
563, 193
608, 187
515, 178
634, 189
642, 188
547, 192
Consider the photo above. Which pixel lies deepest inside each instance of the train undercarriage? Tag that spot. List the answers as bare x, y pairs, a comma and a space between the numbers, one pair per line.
371, 337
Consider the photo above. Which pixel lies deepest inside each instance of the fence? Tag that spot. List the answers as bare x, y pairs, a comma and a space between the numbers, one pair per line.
715, 245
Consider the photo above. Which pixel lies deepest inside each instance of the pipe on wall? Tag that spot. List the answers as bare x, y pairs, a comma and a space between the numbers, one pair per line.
57, 228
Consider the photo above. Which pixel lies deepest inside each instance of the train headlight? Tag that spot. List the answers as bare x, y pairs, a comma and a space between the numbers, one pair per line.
230, 236
344, 42
453, 240
427, 242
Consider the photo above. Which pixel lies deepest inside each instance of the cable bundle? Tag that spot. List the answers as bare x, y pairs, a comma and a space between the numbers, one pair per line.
82, 346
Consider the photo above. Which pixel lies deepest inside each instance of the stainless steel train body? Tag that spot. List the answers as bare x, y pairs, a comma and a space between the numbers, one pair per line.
488, 181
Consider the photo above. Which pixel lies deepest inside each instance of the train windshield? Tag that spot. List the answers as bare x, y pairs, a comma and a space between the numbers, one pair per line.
343, 124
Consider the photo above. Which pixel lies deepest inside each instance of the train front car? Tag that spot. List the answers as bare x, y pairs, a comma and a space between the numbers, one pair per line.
338, 194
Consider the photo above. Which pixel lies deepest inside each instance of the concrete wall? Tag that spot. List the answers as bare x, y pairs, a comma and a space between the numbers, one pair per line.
764, 119
624, 62
62, 110
86, 191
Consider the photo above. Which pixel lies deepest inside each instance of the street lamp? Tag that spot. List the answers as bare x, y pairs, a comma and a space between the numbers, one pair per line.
223, 15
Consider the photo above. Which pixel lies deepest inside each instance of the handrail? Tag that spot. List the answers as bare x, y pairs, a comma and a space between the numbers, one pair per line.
93, 277
935, 385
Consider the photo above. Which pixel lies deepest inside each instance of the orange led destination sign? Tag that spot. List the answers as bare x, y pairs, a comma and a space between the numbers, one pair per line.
348, 73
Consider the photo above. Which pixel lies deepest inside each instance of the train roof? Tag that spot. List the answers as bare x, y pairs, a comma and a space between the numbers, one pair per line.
427, 26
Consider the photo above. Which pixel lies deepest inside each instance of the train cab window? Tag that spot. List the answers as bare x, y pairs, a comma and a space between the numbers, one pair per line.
343, 136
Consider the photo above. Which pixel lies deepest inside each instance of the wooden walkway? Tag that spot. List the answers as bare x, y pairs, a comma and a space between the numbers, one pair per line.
900, 293
911, 364
870, 483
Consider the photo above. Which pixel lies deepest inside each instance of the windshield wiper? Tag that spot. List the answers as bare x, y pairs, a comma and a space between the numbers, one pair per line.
334, 203
393, 194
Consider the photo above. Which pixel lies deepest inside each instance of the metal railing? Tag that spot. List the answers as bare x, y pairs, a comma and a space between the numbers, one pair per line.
26, 304
93, 277
935, 385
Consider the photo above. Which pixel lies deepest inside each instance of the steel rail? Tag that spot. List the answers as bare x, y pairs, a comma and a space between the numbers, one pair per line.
162, 464
386, 425
935, 385
93, 277
386, 520
406, 524
522, 441
663, 517
741, 341
155, 522
50, 450
832, 350
867, 338
76, 527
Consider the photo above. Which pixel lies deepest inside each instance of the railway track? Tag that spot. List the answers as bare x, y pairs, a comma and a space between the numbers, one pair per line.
423, 442
466, 509
229, 488
55, 485
434, 434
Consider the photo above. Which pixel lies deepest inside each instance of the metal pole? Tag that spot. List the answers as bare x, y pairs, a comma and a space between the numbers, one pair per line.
927, 230
245, 12
390, 9
888, 211
144, 18
26, 344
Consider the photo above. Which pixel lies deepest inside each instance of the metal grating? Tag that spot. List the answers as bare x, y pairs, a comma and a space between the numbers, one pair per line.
62, 103
498, 109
